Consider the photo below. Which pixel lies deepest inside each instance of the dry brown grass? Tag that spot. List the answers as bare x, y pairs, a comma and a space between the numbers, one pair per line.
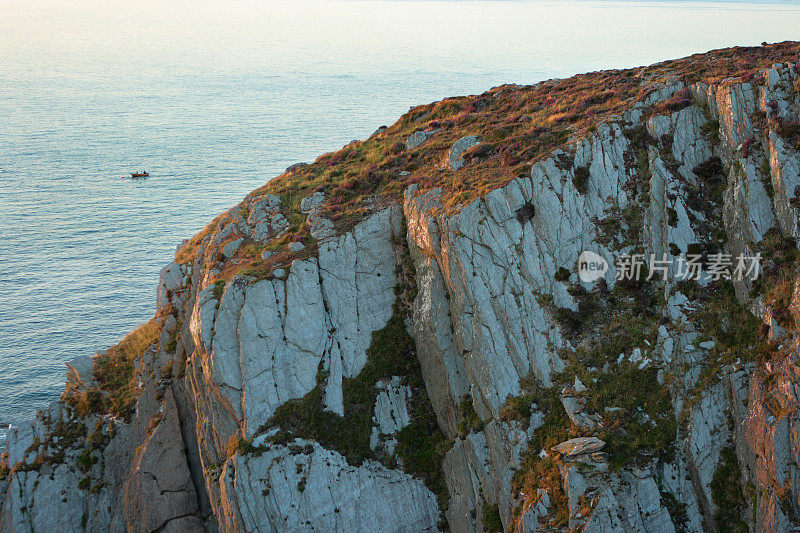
523, 124
518, 126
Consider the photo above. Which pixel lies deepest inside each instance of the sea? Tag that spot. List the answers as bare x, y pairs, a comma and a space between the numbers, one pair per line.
215, 98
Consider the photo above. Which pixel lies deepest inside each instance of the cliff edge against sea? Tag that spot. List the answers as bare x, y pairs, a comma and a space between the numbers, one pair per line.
395, 337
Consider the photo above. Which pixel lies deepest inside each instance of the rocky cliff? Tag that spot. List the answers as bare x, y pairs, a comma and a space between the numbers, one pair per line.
395, 337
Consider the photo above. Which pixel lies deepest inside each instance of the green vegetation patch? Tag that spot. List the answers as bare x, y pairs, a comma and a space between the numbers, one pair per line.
788, 129
711, 130
580, 179
726, 491
610, 322
491, 519
4, 469
720, 316
537, 472
739, 336
779, 270
644, 426
676, 509
421, 444
470, 421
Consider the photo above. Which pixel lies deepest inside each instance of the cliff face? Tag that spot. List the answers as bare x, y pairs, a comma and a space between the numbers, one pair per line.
368, 343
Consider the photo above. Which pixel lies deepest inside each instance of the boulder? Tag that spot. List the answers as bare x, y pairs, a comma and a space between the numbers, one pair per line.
172, 278
417, 138
79, 371
229, 250
579, 446
457, 150
263, 208
296, 166
270, 227
574, 406
312, 203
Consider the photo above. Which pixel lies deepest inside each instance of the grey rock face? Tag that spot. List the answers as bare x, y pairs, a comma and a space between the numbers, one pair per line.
270, 337
229, 250
80, 370
158, 489
321, 228
285, 491
173, 278
57, 495
391, 414
575, 411
479, 470
311, 203
492, 256
266, 219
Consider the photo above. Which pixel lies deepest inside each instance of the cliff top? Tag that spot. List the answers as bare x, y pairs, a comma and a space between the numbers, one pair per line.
470, 145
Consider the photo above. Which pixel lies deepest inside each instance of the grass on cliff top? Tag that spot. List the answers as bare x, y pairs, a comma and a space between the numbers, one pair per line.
517, 126
117, 386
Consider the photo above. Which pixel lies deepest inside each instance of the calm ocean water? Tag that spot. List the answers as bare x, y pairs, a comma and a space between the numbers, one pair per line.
216, 98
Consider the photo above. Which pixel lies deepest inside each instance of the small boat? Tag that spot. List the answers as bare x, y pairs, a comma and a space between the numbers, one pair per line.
141, 174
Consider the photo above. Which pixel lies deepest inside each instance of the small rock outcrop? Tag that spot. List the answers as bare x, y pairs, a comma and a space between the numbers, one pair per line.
454, 158
417, 138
